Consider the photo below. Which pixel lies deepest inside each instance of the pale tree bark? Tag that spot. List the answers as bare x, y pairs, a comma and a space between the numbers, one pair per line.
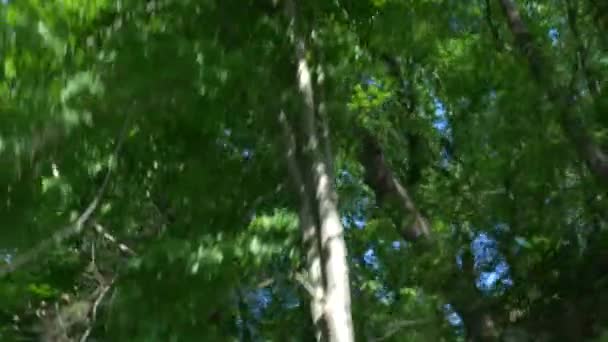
333, 245
310, 233
587, 148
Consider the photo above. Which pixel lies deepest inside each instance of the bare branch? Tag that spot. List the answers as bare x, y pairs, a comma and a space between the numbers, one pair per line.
98, 300
265, 283
121, 246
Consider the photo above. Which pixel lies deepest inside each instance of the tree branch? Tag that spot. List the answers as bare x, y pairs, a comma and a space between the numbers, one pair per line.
587, 148
385, 184
98, 300
73, 228
121, 246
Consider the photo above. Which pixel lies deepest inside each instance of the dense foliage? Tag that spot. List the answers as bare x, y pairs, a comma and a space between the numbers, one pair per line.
164, 167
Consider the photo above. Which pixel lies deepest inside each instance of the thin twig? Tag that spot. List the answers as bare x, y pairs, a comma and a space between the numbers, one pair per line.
265, 283
305, 283
397, 326
98, 300
60, 319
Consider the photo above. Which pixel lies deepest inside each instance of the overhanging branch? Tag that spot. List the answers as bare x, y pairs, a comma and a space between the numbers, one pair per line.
76, 226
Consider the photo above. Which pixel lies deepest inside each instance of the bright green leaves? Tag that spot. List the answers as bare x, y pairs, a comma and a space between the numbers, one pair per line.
58, 189
83, 84
378, 3
269, 236
207, 253
370, 98
13, 16
80, 82
372, 285
453, 51
602, 60
207, 272
281, 220
51, 40
10, 69
84, 9
43, 291
379, 229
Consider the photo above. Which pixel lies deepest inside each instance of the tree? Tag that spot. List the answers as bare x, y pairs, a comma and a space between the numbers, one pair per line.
278, 170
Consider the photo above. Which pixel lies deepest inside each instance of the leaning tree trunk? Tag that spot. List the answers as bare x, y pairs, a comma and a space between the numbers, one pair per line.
479, 323
587, 148
413, 226
335, 266
380, 178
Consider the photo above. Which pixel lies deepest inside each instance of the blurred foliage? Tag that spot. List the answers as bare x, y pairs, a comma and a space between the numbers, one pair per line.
198, 188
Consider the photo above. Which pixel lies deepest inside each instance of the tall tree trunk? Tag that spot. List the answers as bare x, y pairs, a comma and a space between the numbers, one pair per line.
310, 233
587, 148
335, 267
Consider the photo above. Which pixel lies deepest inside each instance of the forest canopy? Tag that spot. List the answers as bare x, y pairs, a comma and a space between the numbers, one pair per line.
290, 170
